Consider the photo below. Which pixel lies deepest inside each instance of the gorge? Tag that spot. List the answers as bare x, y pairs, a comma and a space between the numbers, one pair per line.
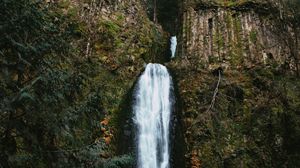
93, 83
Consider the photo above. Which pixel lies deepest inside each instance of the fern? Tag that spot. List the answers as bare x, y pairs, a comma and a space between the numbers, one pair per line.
124, 161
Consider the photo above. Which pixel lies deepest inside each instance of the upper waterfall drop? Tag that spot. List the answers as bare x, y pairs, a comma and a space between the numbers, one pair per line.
152, 113
173, 46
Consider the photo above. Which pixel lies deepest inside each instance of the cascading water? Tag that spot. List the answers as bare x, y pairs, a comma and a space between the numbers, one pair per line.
173, 46
152, 109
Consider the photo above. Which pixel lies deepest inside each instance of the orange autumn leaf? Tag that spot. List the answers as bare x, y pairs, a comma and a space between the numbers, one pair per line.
105, 121
107, 140
195, 160
103, 129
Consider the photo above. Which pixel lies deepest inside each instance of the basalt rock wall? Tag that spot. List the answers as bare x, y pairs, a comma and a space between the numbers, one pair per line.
235, 33
235, 71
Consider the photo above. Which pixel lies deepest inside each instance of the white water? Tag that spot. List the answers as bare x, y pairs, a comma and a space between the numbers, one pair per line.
152, 109
173, 46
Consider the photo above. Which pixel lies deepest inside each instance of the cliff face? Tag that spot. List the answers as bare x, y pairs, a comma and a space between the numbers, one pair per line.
235, 67
66, 69
117, 40
234, 33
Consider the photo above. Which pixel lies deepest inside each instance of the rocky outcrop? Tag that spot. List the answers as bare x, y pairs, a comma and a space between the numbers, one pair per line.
67, 67
234, 72
120, 40
234, 33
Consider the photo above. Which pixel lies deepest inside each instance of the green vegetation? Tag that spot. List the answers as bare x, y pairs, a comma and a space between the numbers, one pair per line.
120, 162
47, 112
68, 70
251, 119
167, 13
253, 36
63, 76
236, 57
254, 121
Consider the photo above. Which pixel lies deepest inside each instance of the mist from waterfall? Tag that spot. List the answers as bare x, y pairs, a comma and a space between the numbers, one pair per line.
173, 46
152, 113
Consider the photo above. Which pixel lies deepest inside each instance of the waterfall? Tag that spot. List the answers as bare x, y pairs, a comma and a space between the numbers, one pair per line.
152, 109
173, 46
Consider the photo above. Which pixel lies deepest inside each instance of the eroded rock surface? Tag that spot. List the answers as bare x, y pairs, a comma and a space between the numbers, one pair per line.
234, 72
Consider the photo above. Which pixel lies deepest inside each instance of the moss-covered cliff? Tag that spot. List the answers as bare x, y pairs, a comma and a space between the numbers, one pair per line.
236, 74
66, 67
249, 119
234, 33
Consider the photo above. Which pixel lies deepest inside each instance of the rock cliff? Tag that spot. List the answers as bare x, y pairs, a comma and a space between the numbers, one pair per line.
235, 33
68, 68
235, 64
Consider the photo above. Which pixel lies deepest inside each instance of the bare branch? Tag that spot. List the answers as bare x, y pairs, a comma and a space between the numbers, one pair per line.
215, 94
211, 106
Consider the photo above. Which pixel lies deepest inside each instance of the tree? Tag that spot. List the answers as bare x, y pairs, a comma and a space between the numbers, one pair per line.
154, 11
164, 12
291, 18
43, 111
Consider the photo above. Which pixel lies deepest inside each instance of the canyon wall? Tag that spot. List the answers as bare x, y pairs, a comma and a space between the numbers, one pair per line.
234, 69
235, 33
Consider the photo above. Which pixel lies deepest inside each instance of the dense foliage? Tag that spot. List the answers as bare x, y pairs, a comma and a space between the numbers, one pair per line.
167, 13
43, 105
66, 67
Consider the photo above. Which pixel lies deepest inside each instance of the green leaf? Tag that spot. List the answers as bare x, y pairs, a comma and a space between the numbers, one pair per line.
26, 96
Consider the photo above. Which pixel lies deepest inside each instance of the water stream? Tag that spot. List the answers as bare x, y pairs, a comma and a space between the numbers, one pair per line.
173, 41
152, 113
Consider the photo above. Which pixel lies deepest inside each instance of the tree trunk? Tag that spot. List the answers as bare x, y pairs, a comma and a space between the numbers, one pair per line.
155, 11
296, 49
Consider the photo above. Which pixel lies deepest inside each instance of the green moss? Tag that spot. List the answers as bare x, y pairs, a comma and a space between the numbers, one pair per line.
110, 26
212, 59
253, 36
242, 130
64, 3
237, 47
219, 40
120, 17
